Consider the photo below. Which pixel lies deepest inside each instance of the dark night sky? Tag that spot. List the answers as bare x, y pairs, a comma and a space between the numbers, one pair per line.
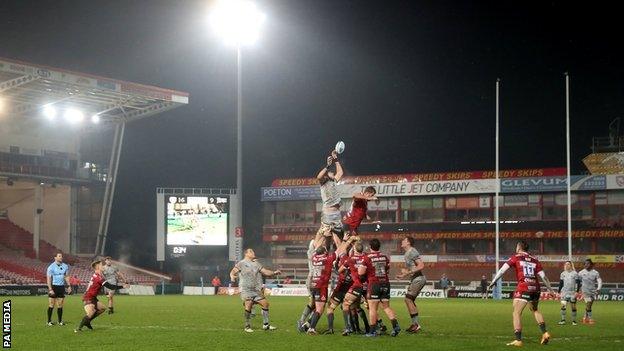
409, 86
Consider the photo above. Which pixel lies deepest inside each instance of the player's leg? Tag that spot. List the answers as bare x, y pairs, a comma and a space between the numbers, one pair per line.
307, 310
385, 304
59, 310
373, 306
573, 308
335, 301
539, 318
90, 310
410, 301
110, 295
589, 301
264, 303
320, 298
347, 305
518, 306
51, 303
248, 305
564, 303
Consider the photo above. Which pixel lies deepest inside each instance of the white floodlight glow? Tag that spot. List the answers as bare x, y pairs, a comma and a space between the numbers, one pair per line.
95, 119
73, 115
237, 22
49, 112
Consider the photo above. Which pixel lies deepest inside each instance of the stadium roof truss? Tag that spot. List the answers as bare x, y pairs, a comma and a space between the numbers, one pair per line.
28, 88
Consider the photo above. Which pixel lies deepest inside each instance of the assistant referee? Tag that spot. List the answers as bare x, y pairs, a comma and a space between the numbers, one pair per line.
57, 276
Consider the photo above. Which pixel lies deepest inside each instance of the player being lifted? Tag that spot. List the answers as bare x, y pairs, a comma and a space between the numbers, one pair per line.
93, 308
358, 211
330, 197
322, 264
591, 283
568, 286
376, 270
413, 272
528, 269
250, 273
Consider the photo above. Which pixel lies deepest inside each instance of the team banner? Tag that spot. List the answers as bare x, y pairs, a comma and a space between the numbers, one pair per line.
471, 186
547, 184
427, 177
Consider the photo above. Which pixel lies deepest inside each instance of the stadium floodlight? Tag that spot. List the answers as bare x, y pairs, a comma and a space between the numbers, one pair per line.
95, 119
237, 22
49, 112
73, 115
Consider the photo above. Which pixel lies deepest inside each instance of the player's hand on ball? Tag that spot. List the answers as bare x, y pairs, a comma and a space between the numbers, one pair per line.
330, 160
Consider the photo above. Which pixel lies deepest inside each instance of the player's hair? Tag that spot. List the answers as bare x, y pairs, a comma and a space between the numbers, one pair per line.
370, 189
95, 263
321, 250
58, 253
411, 240
571, 264
374, 244
590, 261
358, 247
524, 246
108, 258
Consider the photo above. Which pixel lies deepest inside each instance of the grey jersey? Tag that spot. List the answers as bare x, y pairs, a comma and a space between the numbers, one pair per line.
110, 274
329, 194
309, 254
569, 282
589, 281
249, 275
411, 256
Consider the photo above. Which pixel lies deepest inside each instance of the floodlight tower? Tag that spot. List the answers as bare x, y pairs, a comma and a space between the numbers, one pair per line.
238, 23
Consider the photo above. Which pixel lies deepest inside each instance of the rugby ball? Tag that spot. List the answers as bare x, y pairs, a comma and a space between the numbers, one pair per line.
340, 146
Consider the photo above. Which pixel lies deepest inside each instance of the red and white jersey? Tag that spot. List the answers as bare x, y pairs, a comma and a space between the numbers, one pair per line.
353, 264
344, 277
381, 266
527, 267
322, 269
95, 284
356, 213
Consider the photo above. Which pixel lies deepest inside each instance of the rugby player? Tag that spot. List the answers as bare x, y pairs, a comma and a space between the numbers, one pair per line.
568, 286
338, 294
112, 275
591, 283
353, 296
93, 308
309, 307
330, 197
358, 211
322, 263
527, 268
250, 273
56, 277
376, 270
413, 272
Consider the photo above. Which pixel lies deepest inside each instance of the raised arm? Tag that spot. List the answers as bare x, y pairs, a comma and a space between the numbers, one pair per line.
325, 169
345, 245
364, 197
269, 273
499, 274
339, 170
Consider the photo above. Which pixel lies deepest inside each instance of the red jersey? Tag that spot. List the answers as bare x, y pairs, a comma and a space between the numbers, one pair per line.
354, 263
344, 277
322, 269
356, 213
381, 266
95, 284
527, 267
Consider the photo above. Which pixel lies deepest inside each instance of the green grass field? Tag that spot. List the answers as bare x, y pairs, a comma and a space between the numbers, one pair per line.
215, 323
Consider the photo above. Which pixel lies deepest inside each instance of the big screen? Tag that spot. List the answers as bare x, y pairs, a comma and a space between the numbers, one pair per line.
197, 220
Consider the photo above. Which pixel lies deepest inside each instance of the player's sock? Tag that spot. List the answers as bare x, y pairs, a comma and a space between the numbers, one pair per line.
265, 316
59, 314
373, 328
395, 323
355, 322
247, 318
574, 314
111, 309
414, 318
85, 320
306, 312
347, 320
362, 314
330, 320
589, 314
50, 309
518, 334
314, 320
542, 327
563, 313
